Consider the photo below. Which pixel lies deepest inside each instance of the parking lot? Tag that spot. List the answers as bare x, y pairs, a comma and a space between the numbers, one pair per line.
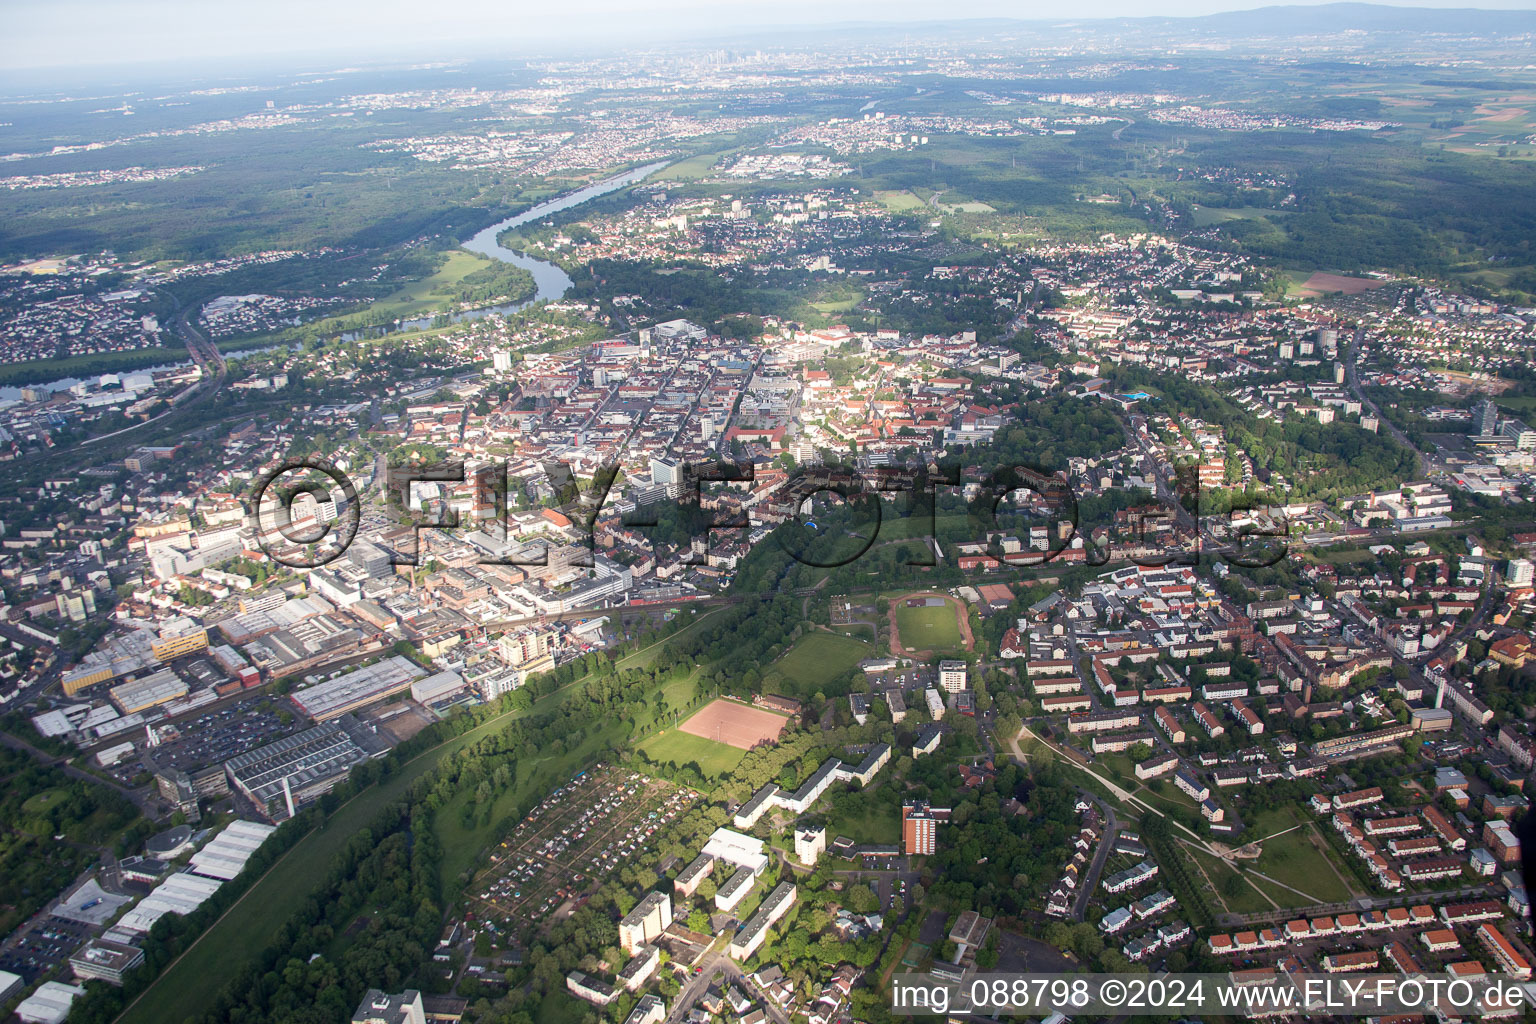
570, 844
910, 679
219, 735
42, 946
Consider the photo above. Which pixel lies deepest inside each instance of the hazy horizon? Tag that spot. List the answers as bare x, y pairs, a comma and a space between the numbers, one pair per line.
97, 33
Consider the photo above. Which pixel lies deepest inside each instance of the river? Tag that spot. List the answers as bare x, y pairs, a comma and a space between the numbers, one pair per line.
550, 282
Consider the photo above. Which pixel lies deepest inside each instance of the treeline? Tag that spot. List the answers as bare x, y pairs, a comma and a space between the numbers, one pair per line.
1157, 832
43, 371
381, 894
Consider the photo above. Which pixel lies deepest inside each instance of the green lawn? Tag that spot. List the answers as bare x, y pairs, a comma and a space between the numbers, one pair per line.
693, 168
839, 306
1205, 216
714, 759
866, 817
38, 802
1169, 797
418, 297
901, 527
1247, 901
927, 628
966, 206
1519, 404
900, 202
1295, 860
814, 662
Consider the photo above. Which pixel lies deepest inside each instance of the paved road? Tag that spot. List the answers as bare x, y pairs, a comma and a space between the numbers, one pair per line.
1090, 881
695, 987
1352, 378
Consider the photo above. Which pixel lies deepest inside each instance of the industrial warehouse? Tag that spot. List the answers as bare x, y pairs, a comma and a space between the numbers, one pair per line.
282, 776
356, 689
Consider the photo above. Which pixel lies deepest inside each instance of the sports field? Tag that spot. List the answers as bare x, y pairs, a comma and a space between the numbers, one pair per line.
714, 759
816, 660
735, 724
1321, 283
926, 623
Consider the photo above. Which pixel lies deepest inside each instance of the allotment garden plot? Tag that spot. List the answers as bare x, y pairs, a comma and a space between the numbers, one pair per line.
571, 843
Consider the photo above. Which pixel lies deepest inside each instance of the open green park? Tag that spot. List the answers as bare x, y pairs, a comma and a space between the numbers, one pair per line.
814, 662
713, 758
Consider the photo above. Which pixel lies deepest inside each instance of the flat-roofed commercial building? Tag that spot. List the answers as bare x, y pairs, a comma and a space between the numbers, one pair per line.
296, 768
358, 688
178, 637
179, 894
149, 692
225, 857
105, 960
49, 1004
744, 851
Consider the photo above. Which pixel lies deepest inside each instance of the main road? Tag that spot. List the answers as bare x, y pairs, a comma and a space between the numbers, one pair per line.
1352, 378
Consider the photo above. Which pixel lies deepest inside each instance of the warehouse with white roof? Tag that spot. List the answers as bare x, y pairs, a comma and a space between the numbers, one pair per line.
213, 865
179, 894
225, 857
49, 1004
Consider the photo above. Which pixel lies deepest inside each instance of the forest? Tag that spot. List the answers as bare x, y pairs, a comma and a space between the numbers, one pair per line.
55, 826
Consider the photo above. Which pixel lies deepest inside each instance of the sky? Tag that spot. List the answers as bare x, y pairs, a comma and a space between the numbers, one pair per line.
83, 33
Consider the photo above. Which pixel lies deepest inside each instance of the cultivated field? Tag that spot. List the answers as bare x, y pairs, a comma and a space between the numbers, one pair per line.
1321, 283
734, 723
